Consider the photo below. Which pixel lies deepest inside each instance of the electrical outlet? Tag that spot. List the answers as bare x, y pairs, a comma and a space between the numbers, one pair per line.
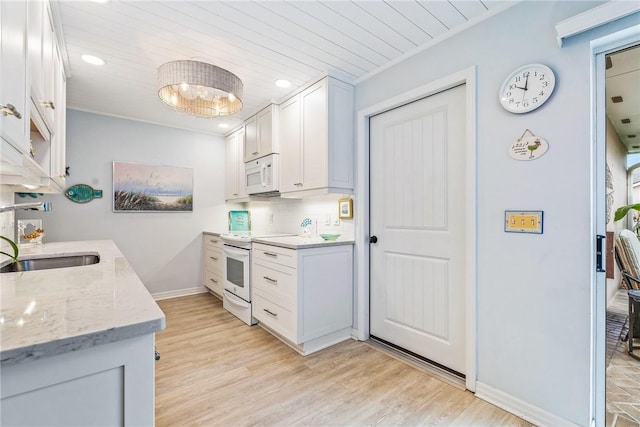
327, 220
336, 220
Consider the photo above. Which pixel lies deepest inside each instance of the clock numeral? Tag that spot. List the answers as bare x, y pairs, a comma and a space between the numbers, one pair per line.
525, 104
508, 94
534, 100
541, 93
541, 76
545, 84
511, 100
526, 74
518, 79
511, 87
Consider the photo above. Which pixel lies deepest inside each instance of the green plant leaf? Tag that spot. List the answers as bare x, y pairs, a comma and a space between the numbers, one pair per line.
621, 212
14, 247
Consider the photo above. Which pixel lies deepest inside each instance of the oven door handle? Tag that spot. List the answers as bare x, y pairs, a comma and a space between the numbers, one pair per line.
235, 300
240, 253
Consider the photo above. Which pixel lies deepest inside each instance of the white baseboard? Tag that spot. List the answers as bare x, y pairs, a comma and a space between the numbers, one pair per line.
179, 293
519, 407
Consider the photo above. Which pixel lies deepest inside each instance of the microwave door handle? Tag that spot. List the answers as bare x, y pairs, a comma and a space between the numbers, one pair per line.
263, 168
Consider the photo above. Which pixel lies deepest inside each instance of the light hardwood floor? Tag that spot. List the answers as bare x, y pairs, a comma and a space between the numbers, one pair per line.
215, 370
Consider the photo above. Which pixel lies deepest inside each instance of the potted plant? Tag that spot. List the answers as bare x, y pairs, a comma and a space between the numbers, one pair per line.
14, 249
622, 211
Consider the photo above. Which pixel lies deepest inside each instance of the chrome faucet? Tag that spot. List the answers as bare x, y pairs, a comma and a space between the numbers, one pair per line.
34, 206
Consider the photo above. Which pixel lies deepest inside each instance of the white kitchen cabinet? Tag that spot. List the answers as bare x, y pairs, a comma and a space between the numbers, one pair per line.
304, 296
261, 134
33, 154
108, 384
59, 137
42, 56
213, 259
317, 140
235, 188
14, 118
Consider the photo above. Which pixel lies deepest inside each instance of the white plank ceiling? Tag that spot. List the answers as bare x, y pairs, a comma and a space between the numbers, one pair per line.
623, 80
259, 41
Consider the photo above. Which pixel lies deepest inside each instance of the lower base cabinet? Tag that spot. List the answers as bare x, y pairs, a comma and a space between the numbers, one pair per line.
213, 259
304, 296
109, 384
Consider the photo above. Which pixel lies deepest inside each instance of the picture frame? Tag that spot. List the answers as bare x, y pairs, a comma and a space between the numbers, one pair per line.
139, 187
345, 208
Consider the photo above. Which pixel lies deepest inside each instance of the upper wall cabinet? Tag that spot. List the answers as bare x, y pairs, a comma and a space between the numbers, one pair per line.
42, 57
261, 134
32, 93
234, 167
14, 115
316, 140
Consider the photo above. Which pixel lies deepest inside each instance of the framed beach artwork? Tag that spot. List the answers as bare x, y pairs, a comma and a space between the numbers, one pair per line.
141, 187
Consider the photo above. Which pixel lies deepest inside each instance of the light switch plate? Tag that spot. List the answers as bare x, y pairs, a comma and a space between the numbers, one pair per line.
523, 221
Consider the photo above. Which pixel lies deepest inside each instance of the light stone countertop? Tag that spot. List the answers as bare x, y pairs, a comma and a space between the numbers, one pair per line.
49, 312
299, 242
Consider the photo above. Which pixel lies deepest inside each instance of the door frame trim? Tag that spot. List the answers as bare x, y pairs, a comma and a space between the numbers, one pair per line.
467, 77
598, 49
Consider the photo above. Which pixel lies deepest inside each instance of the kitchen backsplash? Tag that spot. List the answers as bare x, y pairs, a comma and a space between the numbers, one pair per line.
7, 219
286, 215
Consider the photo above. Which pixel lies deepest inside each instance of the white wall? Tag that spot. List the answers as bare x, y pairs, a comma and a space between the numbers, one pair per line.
165, 249
617, 161
533, 291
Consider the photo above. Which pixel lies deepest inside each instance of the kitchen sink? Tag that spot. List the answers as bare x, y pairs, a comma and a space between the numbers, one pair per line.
63, 261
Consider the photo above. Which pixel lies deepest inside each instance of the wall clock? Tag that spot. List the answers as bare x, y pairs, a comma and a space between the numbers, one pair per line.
527, 88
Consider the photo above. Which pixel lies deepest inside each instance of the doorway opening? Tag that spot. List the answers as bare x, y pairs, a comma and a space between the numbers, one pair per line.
622, 94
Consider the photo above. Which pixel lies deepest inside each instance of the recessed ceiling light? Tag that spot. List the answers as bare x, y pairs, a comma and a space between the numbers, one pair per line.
93, 60
223, 125
616, 99
283, 83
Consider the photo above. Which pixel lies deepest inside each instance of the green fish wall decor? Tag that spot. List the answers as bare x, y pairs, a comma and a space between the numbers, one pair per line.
82, 193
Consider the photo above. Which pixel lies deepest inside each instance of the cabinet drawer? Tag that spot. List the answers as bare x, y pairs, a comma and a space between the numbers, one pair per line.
274, 316
276, 281
274, 254
212, 242
213, 281
213, 260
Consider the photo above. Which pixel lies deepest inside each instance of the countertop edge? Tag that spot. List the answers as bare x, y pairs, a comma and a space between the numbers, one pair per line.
80, 342
273, 242
211, 233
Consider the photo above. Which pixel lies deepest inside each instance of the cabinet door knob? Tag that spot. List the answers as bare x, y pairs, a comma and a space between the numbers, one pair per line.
10, 110
48, 104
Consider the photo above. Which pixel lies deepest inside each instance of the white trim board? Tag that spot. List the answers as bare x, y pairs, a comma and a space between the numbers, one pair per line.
593, 18
518, 407
467, 77
179, 293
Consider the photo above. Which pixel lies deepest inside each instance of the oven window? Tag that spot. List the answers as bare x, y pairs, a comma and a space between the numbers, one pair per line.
235, 271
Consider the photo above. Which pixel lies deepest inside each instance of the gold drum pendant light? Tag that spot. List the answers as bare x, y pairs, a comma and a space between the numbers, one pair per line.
200, 89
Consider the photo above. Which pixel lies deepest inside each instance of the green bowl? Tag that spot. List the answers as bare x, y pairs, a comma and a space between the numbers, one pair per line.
329, 236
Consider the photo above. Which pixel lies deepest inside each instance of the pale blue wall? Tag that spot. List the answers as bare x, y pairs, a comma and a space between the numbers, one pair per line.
164, 249
533, 326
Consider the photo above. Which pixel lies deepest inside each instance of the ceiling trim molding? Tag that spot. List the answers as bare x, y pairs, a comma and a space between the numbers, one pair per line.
593, 18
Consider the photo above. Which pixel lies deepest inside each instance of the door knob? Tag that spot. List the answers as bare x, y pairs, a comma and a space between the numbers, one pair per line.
373, 239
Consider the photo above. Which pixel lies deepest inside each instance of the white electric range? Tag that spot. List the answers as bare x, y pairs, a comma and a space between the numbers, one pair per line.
236, 296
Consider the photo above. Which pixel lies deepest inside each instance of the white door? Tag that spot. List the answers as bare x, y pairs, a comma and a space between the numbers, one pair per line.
417, 196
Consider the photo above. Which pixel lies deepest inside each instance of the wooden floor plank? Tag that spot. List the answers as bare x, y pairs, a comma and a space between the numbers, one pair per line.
216, 371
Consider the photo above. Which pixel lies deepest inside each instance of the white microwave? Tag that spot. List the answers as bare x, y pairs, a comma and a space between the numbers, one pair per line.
262, 176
